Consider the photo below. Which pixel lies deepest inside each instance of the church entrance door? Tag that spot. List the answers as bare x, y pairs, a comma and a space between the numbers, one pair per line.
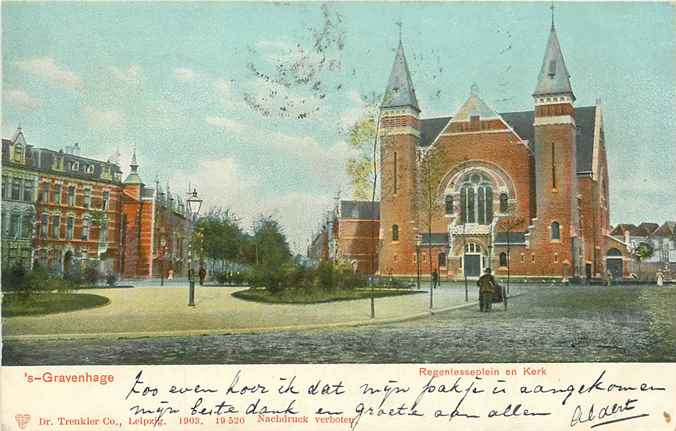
472, 260
472, 265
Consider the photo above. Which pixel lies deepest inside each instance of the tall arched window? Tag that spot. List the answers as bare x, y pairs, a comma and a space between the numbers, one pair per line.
504, 201
503, 259
448, 201
555, 231
476, 200
395, 232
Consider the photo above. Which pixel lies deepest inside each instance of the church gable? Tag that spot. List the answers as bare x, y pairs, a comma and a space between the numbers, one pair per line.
476, 116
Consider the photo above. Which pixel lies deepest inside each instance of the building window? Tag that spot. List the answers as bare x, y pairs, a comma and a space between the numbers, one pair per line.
504, 203
16, 189
57, 194
103, 236
553, 166
503, 259
476, 200
395, 173
395, 232
556, 258
90, 169
532, 258
27, 225
18, 152
449, 204
106, 200
5, 187
555, 231
75, 166
523, 258
28, 190
45, 193
87, 197
85, 229
71, 196
472, 248
56, 226
14, 225
70, 227
441, 259
44, 225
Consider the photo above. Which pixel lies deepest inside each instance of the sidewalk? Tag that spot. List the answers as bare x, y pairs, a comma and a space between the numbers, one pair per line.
163, 311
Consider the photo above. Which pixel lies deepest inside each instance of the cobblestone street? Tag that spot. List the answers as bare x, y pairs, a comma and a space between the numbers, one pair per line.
546, 324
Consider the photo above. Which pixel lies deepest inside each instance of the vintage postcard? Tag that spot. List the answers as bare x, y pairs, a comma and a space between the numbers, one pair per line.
338, 216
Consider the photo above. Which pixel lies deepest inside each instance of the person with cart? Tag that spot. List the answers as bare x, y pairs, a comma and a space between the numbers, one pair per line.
487, 286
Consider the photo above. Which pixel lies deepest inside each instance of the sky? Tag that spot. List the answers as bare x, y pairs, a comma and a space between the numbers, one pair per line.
251, 102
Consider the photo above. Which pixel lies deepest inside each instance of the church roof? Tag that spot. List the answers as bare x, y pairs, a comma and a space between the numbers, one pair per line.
554, 77
400, 91
362, 210
474, 106
522, 123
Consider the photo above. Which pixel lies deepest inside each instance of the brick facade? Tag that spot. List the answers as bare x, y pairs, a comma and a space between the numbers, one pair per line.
65, 212
526, 188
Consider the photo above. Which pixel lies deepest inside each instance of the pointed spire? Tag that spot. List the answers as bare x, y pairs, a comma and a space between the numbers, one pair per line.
552, 8
554, 78
134, 164
400, 91
133, 177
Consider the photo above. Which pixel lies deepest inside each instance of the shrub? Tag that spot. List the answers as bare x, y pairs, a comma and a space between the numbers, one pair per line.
326, 274
14, 278
92, 275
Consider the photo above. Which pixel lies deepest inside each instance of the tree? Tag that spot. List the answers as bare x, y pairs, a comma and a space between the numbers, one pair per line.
221, 237
431, 168
643, 251
272, 252
507, 225
361, 167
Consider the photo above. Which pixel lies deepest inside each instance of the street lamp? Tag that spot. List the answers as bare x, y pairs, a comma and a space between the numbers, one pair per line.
418, 241
194, 204
163, 251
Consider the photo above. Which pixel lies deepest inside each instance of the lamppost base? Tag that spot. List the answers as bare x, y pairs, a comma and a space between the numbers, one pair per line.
191, 294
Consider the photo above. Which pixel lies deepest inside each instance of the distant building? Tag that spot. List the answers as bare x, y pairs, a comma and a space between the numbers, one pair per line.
349, 234
19, 193
64, 211
660, 239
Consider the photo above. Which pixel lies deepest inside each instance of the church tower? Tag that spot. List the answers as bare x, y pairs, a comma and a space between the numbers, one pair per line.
399, 133
556, 226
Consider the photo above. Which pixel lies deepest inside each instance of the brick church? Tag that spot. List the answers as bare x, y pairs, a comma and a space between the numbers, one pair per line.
483, 188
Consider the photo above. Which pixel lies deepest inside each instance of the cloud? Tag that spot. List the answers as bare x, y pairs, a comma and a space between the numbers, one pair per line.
184, 74
47, 69
103, 119
22, 99
132, 76
227, 124
300, 213
222, 183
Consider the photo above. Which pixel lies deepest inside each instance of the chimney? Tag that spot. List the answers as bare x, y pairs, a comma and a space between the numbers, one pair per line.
76, 149
626, 236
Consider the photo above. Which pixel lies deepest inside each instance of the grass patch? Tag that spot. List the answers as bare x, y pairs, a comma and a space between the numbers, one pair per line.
49, 303
293, 296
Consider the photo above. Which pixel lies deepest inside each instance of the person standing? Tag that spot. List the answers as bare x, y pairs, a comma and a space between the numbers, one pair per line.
435, 279
486, 287
202, 275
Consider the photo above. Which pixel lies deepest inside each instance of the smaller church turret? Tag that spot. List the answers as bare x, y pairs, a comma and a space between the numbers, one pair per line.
555, 163
133, 183
399, 134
